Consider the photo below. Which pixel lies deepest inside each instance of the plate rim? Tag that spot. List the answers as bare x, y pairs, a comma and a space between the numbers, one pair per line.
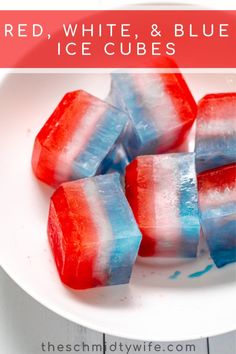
35, 294
101, 329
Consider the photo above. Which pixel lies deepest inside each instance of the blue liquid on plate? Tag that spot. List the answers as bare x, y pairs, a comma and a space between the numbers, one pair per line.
175, 275
201, 272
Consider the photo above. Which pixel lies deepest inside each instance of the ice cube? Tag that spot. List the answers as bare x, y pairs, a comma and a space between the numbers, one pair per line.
161, 108
76, 138
162, 191
216, 131
217, 201
92, 232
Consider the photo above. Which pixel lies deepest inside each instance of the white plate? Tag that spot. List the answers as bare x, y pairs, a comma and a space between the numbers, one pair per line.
152, 307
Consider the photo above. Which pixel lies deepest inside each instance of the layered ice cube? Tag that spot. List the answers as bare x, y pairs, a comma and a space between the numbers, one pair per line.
161, 108
162, 191
77, 137
92, 232
216, 131
217, 201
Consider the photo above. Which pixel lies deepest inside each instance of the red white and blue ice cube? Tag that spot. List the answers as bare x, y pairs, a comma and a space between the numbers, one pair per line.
217, 201
161, 108
92, 232
76, 139
162, 191
216, 131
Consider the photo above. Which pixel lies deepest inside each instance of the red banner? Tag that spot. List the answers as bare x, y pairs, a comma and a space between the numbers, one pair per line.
117, 39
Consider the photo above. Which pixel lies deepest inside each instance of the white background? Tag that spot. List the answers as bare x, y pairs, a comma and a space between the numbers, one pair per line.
24, 323
102, 4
